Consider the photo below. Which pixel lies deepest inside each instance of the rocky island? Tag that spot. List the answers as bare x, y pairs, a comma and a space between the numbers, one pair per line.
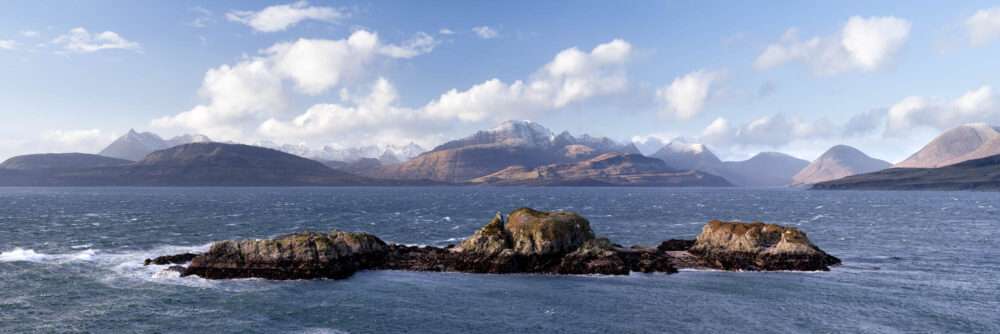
529, 241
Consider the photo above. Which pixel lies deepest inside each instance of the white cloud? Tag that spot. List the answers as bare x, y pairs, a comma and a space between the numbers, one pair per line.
980, 105
649, 144
772, 132
866, 44
29, 33
8, 44
572, 76
486, 32
718, 134
446, 31
80, 41
254, 89
983, 26
57, 141
281, 17
685, 96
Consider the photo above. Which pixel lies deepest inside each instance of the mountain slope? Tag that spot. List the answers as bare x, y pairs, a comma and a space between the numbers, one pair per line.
60, 161
610, 169
837, 162
523, 143
766, 169
197, 164
134, 146
962, 143
977, 174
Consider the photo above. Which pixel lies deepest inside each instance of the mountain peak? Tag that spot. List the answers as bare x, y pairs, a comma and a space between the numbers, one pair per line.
962, 143
837, 162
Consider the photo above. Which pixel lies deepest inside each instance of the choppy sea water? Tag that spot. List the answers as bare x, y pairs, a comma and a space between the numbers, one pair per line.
71, 261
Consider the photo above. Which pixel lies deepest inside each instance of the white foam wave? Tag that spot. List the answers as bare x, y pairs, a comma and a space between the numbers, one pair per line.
30, 255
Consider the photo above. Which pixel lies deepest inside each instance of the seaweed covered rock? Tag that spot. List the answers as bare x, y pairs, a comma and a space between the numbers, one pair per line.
296, 256
759, 246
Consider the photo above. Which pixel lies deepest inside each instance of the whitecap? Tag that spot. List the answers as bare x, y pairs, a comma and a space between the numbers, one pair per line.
30, 255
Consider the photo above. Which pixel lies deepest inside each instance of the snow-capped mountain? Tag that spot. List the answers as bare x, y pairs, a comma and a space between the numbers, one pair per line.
385, 154
533, 135
136, 145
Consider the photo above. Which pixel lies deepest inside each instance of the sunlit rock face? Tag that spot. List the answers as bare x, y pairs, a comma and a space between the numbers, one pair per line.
759, 246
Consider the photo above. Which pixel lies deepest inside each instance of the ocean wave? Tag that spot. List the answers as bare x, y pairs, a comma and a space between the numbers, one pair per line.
30, 255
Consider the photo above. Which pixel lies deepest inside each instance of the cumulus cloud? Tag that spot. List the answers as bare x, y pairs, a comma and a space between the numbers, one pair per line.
981, 105
29, 33
79, 40
281, 17
983, 26
572, 76
865, 44
255, 88
7, 44
486, 32
772, 131
446, 31
685, 96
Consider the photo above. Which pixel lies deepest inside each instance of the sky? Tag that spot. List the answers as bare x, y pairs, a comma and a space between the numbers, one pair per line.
789, 76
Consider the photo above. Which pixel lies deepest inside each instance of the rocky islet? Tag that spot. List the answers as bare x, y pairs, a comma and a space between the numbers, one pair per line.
529, 241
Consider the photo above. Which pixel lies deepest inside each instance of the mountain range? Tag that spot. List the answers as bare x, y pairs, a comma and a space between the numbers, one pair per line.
195, 164
511, 153
511, 143
766, 169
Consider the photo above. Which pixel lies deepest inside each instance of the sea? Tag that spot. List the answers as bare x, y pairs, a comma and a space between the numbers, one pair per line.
71, 261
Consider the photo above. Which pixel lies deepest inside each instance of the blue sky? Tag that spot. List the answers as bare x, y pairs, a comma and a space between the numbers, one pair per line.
795, 77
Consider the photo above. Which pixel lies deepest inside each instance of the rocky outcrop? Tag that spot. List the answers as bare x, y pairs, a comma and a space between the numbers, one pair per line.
297, 256
529, 241
170, 259
759, 246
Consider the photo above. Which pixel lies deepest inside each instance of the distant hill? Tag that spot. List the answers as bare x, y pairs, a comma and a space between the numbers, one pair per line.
977, 174
609, 169
60, 161
521, 143
134, 146
766, 169
962, 143
837, 162
196, 164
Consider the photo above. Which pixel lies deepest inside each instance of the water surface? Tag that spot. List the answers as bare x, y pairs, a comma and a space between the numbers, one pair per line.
71, 260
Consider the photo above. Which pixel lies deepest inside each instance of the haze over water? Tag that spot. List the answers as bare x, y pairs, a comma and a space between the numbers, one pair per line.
71, 260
